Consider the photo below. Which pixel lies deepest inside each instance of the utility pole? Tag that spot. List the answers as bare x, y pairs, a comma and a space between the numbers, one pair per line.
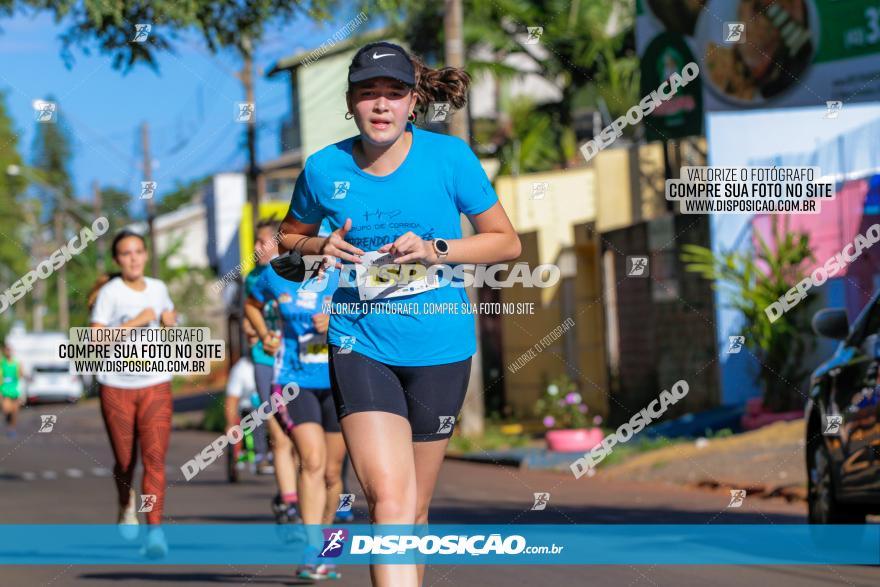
473, 411
151, 203
247, 80
39, 306
96, 203
452, 22
63, 309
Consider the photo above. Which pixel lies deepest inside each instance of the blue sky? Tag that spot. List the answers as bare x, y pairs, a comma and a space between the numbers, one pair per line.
189, 102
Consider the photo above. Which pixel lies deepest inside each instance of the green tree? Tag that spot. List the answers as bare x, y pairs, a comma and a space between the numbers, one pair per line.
111, 25
13, 256
51, 157
530, 146
590, 57
115, 205
52, 153
753, 280
187, 285
182, 194
589, 45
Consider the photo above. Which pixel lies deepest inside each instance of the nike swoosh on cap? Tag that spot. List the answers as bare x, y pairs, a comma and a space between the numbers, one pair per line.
377, 56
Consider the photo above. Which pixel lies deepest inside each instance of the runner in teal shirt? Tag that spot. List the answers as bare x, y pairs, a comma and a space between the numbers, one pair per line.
270, 315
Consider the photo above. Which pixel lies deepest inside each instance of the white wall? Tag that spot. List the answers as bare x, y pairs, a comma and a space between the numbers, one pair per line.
190, 224
224, 199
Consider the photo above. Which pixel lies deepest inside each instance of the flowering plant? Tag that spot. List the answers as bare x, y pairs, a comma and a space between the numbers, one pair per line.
561, 406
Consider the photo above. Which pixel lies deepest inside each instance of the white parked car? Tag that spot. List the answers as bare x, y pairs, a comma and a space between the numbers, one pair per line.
53, 382
47, 377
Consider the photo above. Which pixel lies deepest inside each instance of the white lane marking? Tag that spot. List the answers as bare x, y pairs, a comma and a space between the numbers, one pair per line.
49, 475
100, 471
75, 473
28, 476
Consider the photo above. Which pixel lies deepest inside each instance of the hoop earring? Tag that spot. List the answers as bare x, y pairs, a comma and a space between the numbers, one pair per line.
412, 117
349, 115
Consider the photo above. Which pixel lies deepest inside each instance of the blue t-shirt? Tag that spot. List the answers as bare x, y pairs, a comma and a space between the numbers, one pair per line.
303, 357
439, 180
270, 315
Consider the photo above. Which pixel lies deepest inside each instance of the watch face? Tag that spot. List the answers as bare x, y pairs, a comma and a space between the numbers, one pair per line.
442, 246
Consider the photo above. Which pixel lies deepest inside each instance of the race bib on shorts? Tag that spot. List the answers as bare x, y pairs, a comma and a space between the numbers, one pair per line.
379, 278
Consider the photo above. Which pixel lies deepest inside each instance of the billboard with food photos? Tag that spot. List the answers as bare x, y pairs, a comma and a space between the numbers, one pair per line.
757, 54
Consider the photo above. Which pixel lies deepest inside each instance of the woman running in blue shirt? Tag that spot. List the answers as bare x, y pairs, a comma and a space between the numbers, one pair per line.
310, 418
398, 375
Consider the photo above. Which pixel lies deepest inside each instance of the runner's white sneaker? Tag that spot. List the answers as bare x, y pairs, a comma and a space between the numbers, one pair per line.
128, 520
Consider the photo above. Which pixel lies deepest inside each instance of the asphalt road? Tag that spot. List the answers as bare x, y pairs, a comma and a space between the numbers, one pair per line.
63, 477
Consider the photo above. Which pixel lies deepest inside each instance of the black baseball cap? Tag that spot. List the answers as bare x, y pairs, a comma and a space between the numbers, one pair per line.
382, 59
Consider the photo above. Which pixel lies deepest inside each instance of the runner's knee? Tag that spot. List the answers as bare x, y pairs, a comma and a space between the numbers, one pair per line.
392, 511
333, 476
312, 463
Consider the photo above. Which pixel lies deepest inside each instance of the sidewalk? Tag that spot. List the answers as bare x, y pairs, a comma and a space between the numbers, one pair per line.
768, 462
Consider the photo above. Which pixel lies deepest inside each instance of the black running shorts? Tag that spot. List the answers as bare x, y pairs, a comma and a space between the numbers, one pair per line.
429, 397
310, 405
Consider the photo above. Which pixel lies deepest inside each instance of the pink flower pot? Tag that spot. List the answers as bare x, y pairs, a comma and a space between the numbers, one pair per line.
573, 440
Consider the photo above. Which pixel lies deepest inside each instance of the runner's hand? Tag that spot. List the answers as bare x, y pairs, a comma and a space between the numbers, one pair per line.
321, 322
169, 318
334, 247
409, 247
146, 316
270, 344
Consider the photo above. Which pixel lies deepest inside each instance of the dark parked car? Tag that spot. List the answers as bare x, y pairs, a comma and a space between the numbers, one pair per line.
843, 420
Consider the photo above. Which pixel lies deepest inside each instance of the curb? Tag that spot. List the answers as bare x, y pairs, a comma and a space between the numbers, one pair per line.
790, 493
